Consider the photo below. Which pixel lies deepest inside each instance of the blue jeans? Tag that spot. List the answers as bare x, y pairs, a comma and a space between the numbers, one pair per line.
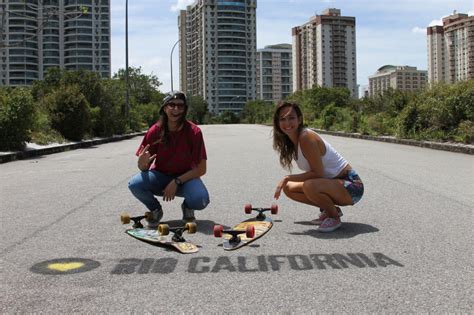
148, 184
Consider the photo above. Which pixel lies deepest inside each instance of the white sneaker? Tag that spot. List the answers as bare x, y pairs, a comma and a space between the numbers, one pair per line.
329, 225
323, 216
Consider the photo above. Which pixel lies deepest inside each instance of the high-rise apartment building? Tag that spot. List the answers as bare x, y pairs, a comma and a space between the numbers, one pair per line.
324, 52
451, 49
402, 78
274, 74
218, 52
38, 35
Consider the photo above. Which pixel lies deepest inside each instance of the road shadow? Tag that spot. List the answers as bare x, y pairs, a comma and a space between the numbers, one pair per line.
347, 230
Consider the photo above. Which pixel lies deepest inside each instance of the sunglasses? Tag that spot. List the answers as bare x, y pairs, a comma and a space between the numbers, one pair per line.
177, 106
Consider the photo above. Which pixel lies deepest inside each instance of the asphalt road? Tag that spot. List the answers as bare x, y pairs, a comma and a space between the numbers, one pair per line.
406, 247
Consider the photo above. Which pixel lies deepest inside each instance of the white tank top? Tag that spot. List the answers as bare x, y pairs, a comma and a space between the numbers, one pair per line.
333, 162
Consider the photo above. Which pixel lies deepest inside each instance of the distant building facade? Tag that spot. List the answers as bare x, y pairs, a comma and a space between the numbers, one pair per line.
324, 52
451, 49
57, 33
218, 52
274, 72
403, 78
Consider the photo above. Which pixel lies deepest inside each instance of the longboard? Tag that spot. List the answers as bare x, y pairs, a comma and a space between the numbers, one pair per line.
160, 236
246, 231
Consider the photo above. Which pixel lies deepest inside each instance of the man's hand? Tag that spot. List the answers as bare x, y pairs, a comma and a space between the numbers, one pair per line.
144, 158
170, 191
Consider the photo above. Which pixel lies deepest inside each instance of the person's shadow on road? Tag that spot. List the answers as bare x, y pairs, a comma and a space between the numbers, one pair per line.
347, 230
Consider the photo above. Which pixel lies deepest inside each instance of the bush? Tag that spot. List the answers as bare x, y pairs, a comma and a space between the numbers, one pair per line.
70, 112
148, 114
443, 112
338, 119
378, 124
226, 117
42, 132
465, 132
17, 116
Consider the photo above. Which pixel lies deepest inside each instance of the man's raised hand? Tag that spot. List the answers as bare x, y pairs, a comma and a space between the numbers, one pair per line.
145, 158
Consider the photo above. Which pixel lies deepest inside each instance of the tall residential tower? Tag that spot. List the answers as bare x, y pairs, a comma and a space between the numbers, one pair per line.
274, 74
451, 49
38, 35
218, 52
324, 52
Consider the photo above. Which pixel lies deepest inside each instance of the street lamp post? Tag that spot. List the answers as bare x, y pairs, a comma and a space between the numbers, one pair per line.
171, 62
126, 110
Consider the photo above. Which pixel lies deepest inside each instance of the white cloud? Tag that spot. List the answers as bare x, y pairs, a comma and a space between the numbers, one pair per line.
436, 22
181, 5
419, 30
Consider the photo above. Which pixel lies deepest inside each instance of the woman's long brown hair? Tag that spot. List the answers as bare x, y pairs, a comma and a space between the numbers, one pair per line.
281, 142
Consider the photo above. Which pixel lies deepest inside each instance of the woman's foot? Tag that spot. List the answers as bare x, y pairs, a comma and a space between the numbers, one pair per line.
329, 225
323, 216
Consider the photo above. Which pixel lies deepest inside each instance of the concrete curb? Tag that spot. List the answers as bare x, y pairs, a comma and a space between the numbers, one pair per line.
452, 147
19, 155
29, 153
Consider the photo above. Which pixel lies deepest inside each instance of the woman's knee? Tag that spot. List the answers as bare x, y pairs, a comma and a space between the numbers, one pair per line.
310, 187
287, 190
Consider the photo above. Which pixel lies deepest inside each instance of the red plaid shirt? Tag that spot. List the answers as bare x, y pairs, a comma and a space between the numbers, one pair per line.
183, 151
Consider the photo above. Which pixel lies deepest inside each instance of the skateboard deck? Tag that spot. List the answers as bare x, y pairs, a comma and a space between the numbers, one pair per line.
154, 237
246, 231
160, 236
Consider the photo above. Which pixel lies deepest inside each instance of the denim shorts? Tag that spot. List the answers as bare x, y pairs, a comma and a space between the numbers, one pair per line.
354, 185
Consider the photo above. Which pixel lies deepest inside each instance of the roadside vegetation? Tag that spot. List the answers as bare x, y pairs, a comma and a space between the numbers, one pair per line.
77, 105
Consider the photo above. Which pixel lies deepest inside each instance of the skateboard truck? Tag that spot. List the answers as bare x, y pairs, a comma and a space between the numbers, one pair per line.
165, 229
235, 239
137, 224
261, 216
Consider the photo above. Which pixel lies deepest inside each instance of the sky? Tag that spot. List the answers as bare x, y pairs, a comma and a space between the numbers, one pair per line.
387, 31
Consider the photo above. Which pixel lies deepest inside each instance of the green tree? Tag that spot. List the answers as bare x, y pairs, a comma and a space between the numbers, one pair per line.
143, 87
197, 109
257, 112
226, 117
69, 112
314, 100
17, 116
442, 112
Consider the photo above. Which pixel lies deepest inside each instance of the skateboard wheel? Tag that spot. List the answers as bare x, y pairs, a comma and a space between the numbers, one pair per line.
147, 215
218, 230
250, 231
125, 218
274, 209
248, 208
191, 227
164, 229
